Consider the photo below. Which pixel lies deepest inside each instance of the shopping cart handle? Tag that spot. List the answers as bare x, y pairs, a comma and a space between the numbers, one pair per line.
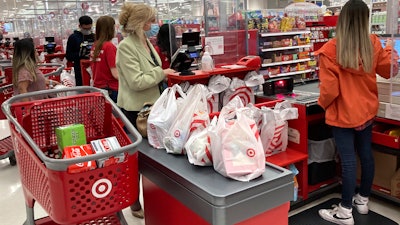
60, 68
62, 164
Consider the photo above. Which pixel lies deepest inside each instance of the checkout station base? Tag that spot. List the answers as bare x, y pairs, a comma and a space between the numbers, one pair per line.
176, 192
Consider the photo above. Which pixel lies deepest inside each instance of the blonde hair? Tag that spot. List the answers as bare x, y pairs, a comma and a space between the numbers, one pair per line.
24, 57
353, 46
134, 16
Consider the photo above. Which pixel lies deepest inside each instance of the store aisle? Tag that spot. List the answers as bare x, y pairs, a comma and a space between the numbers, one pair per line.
12, 205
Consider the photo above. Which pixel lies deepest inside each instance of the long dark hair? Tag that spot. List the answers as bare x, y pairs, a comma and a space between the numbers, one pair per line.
105, 31
166, 40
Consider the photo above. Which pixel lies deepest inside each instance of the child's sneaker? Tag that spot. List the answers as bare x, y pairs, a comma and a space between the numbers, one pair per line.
338, 215
360, 203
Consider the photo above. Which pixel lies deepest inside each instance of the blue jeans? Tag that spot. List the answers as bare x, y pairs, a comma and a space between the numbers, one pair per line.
113, 95
348, 142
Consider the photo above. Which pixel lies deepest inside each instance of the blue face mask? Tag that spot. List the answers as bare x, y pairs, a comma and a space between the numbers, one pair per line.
153, 30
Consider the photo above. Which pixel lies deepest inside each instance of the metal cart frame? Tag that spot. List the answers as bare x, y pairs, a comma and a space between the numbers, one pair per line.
92, 197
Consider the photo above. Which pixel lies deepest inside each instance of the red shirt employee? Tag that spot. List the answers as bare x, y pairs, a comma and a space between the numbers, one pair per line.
105, 74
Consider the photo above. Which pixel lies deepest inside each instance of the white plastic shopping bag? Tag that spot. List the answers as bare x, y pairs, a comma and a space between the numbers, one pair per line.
179, 131
162, 115
238, 153
218, 84
67, 80
253, 79
198, 146
274, 130
238, 88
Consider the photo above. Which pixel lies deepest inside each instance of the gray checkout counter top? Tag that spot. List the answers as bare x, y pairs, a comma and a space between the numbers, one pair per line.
217, 199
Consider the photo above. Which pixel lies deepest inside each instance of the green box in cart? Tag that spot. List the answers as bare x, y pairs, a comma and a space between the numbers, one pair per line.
69, 135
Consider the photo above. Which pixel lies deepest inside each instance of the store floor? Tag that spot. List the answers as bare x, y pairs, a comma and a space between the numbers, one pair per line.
12, 206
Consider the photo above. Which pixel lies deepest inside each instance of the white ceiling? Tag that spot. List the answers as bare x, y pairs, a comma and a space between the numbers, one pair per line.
10, 9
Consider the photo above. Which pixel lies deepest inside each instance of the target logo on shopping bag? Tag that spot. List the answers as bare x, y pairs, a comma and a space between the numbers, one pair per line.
101, 188
251, 152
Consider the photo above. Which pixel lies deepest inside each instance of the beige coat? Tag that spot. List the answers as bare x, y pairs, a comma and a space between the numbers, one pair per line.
138, 75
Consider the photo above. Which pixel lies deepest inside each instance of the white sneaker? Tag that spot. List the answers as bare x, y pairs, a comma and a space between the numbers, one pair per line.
360, 203
338, 215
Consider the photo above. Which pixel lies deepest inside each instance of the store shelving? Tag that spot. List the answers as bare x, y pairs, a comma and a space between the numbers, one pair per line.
285, 53
378, 17
387, 144
271, 34
285, 62
284, 48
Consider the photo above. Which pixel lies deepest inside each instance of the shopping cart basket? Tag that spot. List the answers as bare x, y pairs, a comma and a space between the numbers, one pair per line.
6, 145
92, 197
50, 70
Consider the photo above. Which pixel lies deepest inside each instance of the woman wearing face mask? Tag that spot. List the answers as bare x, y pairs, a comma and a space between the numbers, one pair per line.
151, 34
138, 65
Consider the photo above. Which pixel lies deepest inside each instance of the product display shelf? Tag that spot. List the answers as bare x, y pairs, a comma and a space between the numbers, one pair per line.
378, 17
286, 54
389, 145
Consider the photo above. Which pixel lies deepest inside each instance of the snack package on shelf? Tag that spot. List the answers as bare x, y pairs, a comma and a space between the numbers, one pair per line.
105, 145
70, 135
79, 151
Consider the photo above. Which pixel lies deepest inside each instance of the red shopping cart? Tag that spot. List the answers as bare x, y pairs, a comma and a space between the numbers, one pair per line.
6, 145
52, 71
91, 197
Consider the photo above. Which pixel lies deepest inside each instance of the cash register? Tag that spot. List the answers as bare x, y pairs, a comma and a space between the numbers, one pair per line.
190, 50
283, 88
50, 45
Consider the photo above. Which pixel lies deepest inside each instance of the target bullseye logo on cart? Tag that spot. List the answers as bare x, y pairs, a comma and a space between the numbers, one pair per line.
250, 152
101, 188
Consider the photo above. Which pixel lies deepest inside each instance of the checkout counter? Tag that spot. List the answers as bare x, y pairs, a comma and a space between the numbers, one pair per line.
176, 192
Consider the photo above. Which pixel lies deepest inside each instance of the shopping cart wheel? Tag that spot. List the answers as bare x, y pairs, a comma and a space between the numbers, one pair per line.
12, 159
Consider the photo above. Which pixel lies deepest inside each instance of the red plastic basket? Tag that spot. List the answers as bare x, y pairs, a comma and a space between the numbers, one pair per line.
6, 92
71, 198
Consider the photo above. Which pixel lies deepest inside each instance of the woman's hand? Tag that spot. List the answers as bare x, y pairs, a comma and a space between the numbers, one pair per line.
168, 71
52, 83
389, 42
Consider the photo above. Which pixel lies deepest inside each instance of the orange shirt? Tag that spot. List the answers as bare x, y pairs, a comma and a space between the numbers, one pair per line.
350, 97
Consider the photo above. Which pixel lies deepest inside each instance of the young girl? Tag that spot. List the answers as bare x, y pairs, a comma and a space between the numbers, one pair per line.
349, 95
26, 75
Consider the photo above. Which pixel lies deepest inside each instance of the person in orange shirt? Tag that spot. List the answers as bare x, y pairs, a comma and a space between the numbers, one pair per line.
349, 95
